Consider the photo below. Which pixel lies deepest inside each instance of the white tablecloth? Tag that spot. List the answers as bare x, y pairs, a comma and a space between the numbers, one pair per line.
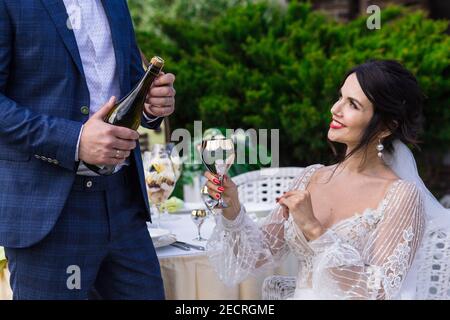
185, 230
189, 275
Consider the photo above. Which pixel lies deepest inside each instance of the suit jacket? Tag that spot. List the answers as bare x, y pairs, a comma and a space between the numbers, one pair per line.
43, 100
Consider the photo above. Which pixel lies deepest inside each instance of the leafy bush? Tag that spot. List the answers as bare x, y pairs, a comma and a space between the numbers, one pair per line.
147, 14
265, 66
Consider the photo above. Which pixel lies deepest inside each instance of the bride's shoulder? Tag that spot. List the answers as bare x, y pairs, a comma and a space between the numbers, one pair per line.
307, 172
405, 192
318, 171
312, 168
405, 196
407, 187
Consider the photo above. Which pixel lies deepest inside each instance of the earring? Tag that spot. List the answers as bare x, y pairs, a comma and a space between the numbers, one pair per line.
380, 149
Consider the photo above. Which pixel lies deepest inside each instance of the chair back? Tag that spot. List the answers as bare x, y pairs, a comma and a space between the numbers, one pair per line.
263, 186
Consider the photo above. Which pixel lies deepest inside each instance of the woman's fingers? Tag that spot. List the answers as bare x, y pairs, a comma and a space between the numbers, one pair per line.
211, 177
290, 193
284, 209
285, 212
285, 202
214, 188
226, 181
293, 193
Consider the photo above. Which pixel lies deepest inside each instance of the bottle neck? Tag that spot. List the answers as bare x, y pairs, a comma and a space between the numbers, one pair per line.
152, 70
150, 75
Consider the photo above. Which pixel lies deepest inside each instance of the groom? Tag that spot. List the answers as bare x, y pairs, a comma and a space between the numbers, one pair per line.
66, 231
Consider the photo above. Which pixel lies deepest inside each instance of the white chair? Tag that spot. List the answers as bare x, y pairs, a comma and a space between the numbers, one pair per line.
434, 272
263, 186
278, 287
433, 275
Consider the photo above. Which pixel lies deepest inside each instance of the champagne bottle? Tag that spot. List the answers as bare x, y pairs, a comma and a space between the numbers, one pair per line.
128, 111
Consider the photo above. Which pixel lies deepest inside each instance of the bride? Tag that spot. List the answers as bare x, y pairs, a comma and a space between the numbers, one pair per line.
355, 227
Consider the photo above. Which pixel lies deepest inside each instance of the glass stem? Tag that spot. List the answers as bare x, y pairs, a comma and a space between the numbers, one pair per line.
158, 210
222, 203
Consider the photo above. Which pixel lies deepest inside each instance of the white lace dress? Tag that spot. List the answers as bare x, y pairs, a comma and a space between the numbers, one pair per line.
366, 256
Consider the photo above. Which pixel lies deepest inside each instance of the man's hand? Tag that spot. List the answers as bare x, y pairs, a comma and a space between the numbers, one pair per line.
104, 144
160, 100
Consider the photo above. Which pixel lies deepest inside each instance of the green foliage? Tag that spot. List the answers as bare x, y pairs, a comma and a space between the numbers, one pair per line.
147, 14
265, 66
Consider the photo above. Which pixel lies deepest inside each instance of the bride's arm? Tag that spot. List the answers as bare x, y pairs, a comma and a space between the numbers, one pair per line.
240, 247
342, 272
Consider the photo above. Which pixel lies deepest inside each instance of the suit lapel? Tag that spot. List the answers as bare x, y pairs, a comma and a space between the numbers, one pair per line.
58, 14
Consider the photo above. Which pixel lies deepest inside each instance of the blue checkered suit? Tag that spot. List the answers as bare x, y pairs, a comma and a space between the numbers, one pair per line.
42, 95
102, 233
42, 91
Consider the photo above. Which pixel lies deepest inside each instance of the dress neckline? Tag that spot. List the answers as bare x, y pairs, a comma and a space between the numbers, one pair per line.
378, 211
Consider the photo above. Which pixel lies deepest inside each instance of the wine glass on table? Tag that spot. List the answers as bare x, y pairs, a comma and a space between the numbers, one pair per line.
174, 155
198, 217
177, 164
218, 156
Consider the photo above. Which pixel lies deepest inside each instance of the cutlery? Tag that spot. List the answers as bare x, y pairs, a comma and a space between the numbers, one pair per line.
180, 246
189, 245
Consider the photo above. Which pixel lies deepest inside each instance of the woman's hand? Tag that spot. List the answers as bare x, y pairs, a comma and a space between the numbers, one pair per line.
298, 204
228, 191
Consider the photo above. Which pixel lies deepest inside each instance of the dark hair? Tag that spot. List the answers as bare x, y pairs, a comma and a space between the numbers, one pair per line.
397, 100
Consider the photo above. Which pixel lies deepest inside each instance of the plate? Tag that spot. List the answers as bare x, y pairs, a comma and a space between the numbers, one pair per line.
164, 241
157, 233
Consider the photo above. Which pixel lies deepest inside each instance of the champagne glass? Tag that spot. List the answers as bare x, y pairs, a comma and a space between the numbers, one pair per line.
177, 162
198, 217
210, 202
160, 176
218, 156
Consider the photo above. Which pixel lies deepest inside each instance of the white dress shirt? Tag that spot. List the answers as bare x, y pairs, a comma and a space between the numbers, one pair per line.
93, 36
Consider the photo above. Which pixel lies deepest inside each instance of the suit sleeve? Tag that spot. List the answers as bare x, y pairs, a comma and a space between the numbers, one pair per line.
30, 132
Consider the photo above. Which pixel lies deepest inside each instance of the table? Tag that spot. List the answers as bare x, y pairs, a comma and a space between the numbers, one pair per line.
5, 291
188, 274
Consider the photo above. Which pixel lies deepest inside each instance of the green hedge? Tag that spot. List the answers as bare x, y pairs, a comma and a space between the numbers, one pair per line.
263, 66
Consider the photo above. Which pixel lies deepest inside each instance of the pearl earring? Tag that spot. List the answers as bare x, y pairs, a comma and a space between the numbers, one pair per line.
380, 149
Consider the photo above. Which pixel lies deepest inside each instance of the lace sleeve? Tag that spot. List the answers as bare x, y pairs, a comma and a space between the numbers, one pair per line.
240, 248
342, 272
